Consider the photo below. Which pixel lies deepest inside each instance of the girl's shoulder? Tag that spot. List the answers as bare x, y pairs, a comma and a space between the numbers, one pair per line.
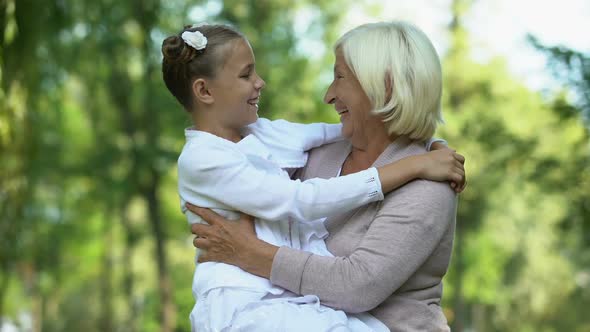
205, 151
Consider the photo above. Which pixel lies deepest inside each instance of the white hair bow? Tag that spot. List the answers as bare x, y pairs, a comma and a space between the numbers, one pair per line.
195, 39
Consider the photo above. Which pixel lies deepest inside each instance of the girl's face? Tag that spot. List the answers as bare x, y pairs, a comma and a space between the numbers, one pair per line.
236, 88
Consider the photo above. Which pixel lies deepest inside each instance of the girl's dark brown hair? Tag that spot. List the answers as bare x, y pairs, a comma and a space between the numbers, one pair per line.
182, 64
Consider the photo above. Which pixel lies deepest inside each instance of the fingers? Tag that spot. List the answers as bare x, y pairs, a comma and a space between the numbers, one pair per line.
208, 215
201, 230
457, 188
201, 243
460, 182
192, 208
456, 179
460, 169
461, 173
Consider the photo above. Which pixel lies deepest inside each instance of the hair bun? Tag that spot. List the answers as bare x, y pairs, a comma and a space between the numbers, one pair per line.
174, 49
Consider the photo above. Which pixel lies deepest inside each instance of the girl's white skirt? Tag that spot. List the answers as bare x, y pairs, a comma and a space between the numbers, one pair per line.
234, 309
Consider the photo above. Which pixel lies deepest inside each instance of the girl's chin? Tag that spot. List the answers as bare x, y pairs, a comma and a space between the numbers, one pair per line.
253, 108
251, 119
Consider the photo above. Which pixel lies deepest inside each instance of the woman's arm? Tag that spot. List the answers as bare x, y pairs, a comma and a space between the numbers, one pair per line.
400, 239
232, 242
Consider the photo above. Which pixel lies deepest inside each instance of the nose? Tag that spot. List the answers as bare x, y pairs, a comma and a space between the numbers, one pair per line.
260, 84
330, 97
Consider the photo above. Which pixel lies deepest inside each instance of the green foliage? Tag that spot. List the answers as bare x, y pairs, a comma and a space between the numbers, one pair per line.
91, 237
573, 68
514, 264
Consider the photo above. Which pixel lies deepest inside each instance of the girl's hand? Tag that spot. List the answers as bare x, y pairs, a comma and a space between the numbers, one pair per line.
443, 165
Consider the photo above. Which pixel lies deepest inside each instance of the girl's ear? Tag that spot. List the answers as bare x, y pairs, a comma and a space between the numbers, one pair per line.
202, 92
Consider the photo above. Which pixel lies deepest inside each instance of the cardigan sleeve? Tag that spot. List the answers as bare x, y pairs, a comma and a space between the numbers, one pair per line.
404, 233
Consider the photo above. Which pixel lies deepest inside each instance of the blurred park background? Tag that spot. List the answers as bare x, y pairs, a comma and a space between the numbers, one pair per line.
91, 235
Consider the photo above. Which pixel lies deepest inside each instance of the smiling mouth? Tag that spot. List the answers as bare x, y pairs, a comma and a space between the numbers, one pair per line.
340, 112
254, 101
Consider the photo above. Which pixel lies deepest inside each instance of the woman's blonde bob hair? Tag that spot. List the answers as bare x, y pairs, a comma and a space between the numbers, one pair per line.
399, 70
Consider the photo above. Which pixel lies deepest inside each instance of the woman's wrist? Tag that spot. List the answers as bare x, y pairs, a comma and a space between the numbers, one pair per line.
260, 258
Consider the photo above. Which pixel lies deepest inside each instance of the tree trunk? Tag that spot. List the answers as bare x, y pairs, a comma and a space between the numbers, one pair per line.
167, 309
128, 279
30, 280
106, 322
4, 283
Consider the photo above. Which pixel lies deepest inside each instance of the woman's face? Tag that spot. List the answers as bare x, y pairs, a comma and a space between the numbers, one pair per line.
350, 101
237, 86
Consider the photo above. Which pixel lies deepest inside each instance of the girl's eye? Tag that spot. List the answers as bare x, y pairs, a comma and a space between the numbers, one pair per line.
247, 75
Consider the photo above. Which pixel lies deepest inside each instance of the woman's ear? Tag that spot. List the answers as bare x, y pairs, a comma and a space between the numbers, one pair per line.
388, 87
202, 92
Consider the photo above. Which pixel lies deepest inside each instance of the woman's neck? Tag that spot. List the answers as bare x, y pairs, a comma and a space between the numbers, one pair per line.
213, 126
365, 151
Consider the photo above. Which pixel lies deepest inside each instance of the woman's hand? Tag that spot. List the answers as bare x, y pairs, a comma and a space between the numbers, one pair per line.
232, 242
443, 164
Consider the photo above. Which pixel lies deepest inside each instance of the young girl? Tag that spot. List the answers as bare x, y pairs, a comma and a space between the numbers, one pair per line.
233, 161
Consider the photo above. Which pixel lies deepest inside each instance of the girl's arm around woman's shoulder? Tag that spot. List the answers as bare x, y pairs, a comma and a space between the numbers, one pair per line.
289, 135
223, 177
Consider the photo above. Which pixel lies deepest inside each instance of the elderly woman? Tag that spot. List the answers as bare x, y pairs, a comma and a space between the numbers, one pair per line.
390, 256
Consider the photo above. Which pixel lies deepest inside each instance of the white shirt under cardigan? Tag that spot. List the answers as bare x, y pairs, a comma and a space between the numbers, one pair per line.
248, 176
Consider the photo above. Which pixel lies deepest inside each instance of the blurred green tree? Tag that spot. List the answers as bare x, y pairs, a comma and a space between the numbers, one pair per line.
524, 157
90, 137
91, 237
